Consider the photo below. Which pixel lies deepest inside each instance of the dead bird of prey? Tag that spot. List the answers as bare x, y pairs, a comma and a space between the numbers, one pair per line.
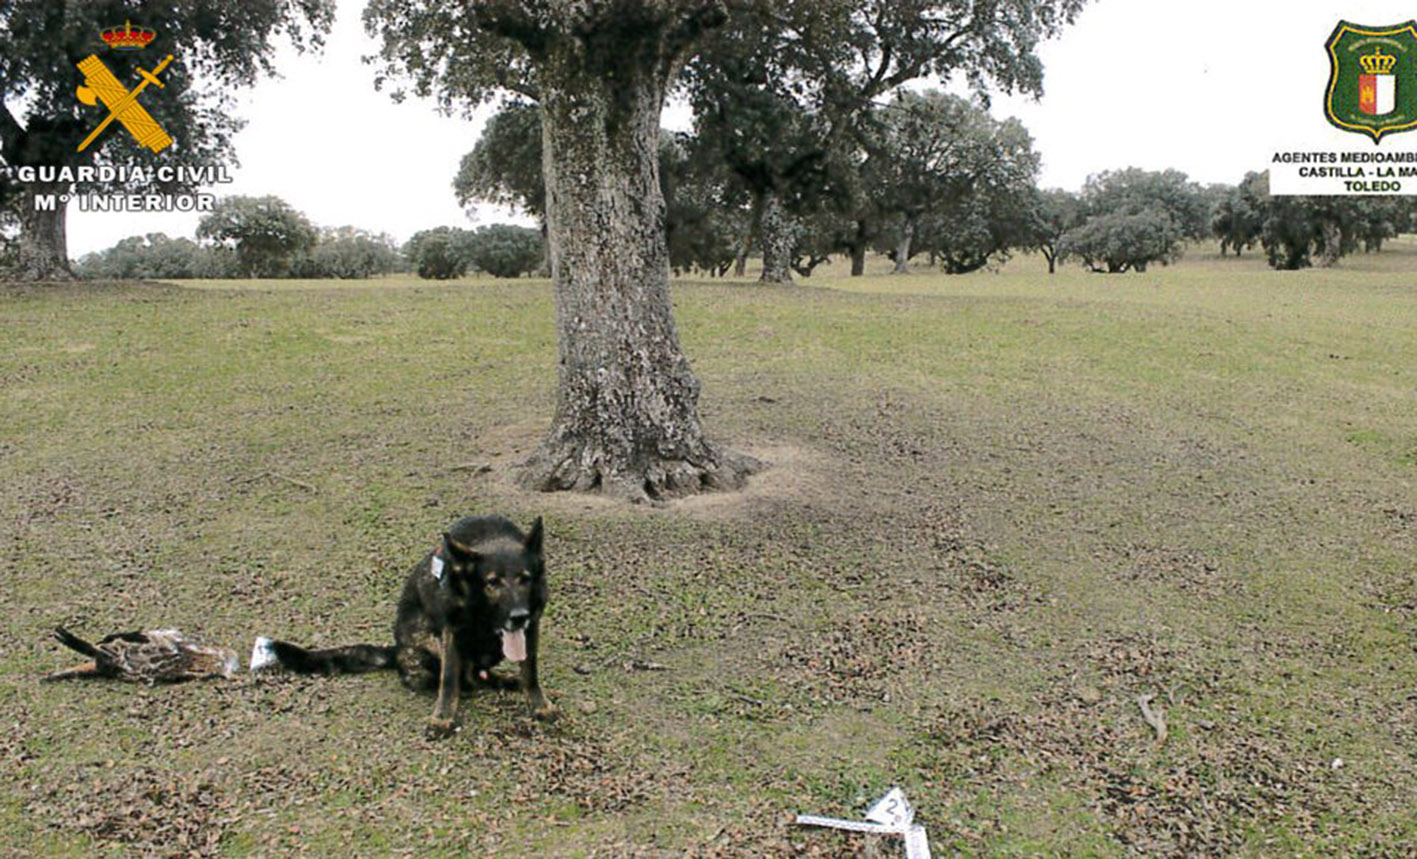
154, 656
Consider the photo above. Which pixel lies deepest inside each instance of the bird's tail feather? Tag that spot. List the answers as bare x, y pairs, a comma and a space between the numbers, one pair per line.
73, 642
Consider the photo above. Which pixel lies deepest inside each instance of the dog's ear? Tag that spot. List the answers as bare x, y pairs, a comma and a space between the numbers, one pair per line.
457, 551
533, 538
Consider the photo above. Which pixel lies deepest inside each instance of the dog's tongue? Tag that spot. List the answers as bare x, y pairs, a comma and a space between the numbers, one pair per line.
514, 645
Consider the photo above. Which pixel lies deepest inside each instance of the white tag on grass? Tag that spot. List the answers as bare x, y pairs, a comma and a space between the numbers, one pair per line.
917, 843
893, 809
891, 815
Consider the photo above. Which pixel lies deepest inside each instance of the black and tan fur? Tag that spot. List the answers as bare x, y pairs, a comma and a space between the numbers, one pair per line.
449, 627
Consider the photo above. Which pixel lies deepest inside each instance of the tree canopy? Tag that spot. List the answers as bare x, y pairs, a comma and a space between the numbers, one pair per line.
783, 88
951, 179
1136, 217
266, 233
505, 250
439, 253
1055, 212
504, 166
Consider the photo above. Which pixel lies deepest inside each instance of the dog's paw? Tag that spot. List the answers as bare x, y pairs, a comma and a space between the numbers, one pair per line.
441, 729
546, 713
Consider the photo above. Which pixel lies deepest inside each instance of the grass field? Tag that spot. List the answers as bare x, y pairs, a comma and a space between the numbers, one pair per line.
1002, 507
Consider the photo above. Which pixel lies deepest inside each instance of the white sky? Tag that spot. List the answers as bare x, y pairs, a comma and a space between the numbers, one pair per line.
1210, 87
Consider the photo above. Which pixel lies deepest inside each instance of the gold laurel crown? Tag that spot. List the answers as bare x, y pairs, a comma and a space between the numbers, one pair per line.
1378, 63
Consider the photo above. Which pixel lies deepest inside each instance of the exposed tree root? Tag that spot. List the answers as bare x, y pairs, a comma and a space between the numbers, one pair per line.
29, 271
561, 467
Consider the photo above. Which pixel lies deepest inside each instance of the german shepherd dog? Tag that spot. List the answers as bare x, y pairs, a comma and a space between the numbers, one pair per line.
473, 601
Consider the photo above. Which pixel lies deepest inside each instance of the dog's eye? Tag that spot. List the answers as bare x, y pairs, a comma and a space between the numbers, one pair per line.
494, 581
523, 577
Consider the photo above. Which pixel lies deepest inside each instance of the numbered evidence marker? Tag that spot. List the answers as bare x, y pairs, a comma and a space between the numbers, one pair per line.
893, 809
891, 815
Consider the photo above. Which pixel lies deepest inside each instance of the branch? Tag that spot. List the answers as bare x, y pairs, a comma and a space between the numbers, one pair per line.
523, 22
1154, 718
511, 82
696, 17
909, 73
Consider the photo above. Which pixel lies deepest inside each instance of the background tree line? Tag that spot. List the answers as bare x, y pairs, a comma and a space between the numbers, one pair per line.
806, 145
932, 176
264, 237
941, 182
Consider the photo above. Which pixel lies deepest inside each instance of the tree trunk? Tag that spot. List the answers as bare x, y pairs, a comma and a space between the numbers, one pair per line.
902, 248
1333, 244
42, 247
858, 250
777, 236
755, 220
627, 420
543, 269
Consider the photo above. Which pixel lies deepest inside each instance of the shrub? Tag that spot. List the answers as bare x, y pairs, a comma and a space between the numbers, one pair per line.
503, 250
439, 253
1123, 242
346, 253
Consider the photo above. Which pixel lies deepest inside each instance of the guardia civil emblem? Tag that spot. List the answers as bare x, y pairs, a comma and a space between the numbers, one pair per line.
1372, 82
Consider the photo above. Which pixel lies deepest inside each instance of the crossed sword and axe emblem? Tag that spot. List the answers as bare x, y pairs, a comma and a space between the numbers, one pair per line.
122, 103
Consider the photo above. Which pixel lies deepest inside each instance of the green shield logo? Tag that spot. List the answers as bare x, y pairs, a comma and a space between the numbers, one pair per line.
1372, 82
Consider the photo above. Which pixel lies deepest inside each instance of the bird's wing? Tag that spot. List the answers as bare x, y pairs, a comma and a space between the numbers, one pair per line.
151, 660
134, 637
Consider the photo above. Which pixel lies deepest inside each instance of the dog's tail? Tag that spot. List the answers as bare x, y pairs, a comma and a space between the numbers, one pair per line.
353, 659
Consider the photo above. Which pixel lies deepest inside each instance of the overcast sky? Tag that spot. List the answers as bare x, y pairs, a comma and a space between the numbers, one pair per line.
1210, 87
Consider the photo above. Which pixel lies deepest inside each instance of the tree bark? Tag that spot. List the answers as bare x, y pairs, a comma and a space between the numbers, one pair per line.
902, 247
42, 247
777, 236
755, 222
858, 250
627, 421
1333, 243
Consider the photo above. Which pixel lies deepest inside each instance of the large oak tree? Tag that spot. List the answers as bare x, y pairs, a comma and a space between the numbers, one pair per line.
627, 421
942, 164
218, 45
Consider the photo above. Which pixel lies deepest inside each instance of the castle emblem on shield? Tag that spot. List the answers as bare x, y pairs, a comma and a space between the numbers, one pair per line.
1372, 84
